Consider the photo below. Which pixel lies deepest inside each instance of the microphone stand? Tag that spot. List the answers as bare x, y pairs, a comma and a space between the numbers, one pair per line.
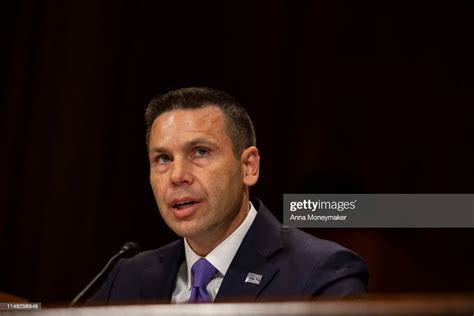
130, 249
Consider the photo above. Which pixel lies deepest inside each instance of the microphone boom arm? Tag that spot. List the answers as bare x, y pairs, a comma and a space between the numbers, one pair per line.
128, 250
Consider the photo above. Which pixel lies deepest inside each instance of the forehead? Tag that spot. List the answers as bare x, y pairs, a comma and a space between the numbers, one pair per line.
181, 124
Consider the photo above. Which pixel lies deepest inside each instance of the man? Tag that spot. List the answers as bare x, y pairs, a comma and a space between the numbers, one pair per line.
203, 159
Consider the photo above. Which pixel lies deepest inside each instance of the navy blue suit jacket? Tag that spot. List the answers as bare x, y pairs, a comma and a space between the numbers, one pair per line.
293, 265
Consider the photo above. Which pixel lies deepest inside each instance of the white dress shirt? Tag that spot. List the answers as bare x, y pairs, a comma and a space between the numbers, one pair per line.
220, 257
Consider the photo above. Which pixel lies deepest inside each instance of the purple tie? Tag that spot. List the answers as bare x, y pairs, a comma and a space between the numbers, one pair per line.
202, 273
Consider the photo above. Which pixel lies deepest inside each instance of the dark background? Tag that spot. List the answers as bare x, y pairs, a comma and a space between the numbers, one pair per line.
364, 97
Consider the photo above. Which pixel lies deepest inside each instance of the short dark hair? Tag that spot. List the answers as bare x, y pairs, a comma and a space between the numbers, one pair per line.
238, 123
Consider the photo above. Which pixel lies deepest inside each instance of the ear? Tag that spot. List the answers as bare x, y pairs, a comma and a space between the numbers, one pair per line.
250, 165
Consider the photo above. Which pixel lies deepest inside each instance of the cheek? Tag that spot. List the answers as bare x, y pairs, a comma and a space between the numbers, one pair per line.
225, 181
219, 178
156, 186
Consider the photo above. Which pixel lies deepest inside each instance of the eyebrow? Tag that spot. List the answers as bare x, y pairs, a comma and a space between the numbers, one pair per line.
188, 144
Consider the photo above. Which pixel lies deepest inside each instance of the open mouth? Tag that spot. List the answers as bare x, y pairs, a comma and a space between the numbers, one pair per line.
185, 207
181, 205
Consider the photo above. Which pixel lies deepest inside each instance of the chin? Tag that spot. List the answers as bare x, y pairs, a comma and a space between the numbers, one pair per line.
187, 232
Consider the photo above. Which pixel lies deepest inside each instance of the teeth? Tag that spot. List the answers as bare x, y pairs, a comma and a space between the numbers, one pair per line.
184, 204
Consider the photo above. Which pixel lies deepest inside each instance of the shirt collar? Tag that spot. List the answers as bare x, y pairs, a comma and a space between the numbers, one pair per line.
221, 256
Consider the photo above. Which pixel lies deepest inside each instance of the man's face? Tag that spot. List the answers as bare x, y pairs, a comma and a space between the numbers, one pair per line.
196, 179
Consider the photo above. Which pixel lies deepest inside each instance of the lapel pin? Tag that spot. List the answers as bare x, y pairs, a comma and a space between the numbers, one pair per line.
253, 278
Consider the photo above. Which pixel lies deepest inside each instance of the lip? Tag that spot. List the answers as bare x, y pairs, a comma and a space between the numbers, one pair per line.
187, 211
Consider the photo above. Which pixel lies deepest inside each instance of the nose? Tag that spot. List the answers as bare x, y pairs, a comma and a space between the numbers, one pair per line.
181, 173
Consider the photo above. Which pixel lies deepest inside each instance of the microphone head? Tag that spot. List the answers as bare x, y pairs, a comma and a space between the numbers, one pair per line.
130, 249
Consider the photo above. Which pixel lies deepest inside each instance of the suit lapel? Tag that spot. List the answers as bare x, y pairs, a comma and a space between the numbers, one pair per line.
159, 280
235, 287
261, 241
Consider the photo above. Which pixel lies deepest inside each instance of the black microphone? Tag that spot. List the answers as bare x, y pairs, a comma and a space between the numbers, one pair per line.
128, 250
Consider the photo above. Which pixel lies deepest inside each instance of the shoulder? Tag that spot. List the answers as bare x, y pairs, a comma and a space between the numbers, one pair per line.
323, 265
301, 242
125, 281
149, 258
331, 269
268, 230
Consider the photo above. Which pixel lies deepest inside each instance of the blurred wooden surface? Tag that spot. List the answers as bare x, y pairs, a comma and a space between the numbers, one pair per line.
374, 305
7, 297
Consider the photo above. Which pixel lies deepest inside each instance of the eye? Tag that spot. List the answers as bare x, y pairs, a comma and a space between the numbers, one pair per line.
161, 159
201, 152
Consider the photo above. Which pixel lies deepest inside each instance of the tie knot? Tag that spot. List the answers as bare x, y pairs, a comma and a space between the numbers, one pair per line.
203, 272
